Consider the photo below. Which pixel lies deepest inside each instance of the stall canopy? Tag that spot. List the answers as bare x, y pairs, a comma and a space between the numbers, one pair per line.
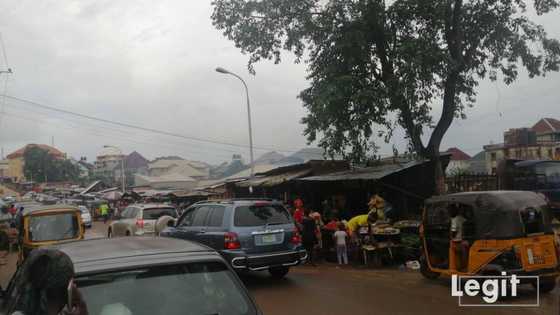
273, 180
285, 174
403, 182
91, 187
196, 193
367, 173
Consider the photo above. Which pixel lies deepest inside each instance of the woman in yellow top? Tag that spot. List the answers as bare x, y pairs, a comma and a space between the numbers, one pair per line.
376, 206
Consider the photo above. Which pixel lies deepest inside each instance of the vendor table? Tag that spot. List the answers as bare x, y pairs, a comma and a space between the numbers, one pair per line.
376, 249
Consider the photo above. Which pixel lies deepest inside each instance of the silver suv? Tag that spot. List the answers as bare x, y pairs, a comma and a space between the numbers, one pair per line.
139, 219
249, 234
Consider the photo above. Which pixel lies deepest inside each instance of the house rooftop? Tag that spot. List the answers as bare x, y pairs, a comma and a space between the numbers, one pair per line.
547, 125
52, 151
458, 155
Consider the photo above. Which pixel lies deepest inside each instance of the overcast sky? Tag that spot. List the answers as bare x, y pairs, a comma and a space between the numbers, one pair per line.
151, 63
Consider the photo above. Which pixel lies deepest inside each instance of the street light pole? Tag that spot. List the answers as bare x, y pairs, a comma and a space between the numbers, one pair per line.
224, 71
122, 166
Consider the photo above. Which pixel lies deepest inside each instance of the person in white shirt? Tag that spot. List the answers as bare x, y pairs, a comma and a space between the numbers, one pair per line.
457, 236
457, 227
340, 237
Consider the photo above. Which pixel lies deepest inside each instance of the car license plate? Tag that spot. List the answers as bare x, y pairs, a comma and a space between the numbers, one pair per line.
268, 239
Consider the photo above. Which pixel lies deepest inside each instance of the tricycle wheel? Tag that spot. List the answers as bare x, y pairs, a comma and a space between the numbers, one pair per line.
425, 269
545, 284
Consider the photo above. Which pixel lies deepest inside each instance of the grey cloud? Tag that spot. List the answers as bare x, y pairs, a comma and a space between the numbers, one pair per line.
152, 63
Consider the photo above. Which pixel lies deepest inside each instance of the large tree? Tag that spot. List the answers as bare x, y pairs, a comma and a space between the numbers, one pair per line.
374, 65
40, 166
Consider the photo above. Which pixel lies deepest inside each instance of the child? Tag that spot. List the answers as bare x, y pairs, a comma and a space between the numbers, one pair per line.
340, 240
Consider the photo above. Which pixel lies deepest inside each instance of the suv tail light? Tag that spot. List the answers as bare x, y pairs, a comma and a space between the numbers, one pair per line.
231, 241
140, 223
296, 238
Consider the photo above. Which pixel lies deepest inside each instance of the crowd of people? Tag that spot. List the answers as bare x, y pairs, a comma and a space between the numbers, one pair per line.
314, 230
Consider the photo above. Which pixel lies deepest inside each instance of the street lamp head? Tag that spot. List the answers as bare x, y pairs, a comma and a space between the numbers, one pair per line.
221, 70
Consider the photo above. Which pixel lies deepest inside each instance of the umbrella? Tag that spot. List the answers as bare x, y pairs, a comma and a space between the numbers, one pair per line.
112, 195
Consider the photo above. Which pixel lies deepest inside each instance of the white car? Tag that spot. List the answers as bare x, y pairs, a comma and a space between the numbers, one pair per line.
86, 216
9, 199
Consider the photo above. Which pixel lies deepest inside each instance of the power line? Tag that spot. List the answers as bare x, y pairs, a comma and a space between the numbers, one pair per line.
131, 126
122, 132
97, 134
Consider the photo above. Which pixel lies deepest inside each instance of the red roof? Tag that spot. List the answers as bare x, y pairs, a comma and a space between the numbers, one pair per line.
547, 125
52, 151
458, 155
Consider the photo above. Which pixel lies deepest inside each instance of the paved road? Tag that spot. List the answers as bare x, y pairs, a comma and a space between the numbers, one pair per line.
326, 290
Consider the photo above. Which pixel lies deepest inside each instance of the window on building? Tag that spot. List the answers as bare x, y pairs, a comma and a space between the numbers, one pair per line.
493, 156
550, 155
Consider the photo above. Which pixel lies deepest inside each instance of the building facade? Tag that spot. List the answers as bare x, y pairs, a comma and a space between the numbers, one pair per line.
541, 142
106, 162
459, 161
4, 167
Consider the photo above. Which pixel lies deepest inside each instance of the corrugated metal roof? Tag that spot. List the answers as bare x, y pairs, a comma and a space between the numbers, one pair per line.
195, 193
367, 173
273, 180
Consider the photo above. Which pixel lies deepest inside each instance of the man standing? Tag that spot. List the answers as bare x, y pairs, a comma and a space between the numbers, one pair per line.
104, 209
461, 247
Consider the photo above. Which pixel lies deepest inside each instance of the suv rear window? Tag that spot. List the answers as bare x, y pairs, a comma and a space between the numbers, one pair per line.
156, 213
260, 215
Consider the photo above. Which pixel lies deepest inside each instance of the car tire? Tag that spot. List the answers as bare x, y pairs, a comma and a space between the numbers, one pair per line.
109, 233
545, 284
425, 269
127, 233
278, 272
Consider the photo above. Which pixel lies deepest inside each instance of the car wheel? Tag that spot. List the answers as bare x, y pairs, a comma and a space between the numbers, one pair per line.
109, 233
278, 272
127, 233
425, 269
545, 284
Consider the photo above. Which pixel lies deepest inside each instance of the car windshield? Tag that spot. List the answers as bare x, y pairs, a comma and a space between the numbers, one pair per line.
156, 213
551, 171
53, 227
261, 215
84, 210
196, 288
